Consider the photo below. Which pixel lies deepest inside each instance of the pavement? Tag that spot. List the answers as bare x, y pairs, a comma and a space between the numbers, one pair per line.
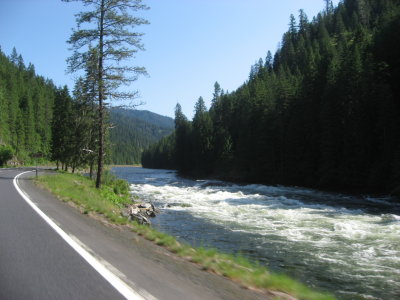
86, 258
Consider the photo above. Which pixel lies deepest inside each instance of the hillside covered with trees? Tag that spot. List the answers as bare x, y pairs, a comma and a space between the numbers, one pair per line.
323, 111
26, 108
39, 119
133, 131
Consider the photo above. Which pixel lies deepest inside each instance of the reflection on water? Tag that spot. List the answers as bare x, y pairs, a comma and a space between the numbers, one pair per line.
345, 244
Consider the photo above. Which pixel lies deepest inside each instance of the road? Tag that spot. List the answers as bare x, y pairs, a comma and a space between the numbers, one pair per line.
49, 250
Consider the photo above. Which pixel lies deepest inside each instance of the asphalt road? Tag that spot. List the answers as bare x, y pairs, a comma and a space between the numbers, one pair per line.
37, 262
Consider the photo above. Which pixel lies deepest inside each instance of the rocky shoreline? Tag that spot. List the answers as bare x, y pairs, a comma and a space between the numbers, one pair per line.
140, 212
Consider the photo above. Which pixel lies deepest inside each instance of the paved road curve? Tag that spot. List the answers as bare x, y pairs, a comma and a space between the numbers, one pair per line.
37, 263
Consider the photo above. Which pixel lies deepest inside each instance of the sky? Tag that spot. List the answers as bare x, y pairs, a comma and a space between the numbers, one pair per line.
190, 44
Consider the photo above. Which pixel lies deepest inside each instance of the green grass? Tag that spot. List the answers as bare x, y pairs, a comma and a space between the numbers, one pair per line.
81, 191
114, 195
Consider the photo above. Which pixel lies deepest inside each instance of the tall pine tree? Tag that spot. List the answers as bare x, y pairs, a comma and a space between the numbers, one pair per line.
113, 36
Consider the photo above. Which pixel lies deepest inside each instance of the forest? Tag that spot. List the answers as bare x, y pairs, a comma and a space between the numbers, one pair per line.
322, 112
42, 122
26, 109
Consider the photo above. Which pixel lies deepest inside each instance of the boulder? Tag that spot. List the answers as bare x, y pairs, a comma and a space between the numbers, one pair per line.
145, 205
140, 212
139, 218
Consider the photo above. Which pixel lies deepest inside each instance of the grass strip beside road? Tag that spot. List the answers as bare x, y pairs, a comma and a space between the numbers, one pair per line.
113, 196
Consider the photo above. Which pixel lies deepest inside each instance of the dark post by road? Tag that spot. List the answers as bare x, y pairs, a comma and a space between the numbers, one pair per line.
36, 156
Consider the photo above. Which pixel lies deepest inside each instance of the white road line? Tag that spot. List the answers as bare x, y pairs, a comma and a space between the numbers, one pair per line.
113, 279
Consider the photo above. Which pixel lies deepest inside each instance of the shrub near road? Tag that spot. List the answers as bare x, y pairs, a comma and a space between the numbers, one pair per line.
6, 153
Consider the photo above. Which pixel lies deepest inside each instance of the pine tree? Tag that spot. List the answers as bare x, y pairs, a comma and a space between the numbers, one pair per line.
4, 131
183, 141
216, 94
14, 56
84, 114
115, 41
202, 137
62, 133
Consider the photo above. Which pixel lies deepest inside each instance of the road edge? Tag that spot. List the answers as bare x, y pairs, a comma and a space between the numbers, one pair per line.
124, 289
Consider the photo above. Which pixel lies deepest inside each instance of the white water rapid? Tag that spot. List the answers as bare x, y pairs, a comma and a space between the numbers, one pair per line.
345, 244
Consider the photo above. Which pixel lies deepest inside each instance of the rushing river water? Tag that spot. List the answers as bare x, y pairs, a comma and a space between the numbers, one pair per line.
344, 244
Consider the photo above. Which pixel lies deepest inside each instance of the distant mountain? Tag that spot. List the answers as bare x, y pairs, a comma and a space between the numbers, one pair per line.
147, 116
133, 131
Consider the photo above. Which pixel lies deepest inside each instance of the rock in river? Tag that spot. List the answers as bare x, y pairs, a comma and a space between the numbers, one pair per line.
140, 212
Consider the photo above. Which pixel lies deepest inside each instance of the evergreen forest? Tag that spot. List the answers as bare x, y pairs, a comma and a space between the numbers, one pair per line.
40, 122
26, 109
323, 111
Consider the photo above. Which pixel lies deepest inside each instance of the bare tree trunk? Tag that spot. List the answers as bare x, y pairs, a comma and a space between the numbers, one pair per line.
91, 169
101, 98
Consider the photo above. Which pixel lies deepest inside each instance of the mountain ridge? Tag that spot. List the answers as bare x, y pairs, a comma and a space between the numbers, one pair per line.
133, 131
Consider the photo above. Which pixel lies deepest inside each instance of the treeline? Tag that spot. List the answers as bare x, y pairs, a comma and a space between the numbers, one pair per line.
26, 109
324, 111
39, 121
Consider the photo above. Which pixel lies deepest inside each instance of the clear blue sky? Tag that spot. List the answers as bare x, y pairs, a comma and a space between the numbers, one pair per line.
189, 44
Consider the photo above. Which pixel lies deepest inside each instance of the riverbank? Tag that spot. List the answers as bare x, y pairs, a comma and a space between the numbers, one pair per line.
103, 204
134, 166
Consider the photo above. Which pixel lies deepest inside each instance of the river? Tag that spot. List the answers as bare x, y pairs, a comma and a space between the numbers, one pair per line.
347, 245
